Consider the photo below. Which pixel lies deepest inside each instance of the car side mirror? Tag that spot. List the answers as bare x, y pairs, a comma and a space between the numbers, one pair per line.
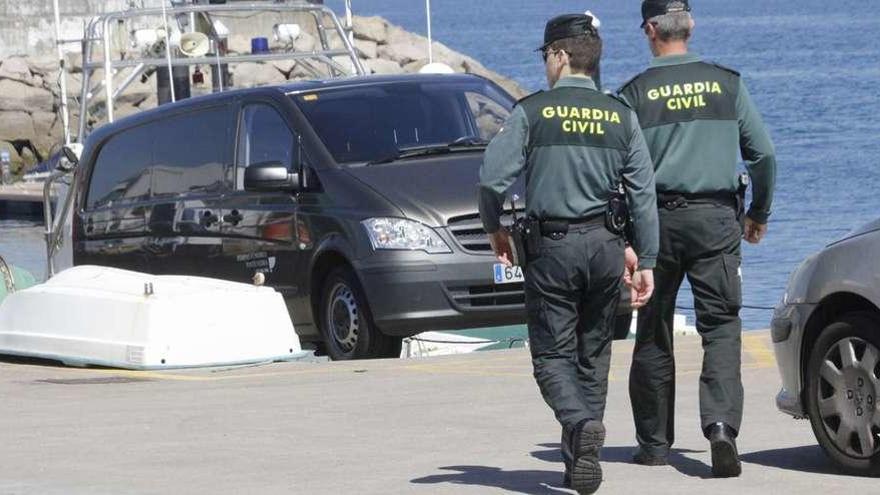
270, 176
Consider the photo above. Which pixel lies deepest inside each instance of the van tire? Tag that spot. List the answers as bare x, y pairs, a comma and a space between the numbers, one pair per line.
346, 322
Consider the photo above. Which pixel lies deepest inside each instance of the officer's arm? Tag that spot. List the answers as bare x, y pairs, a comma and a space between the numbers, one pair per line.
641, 195
504, 160
759, 155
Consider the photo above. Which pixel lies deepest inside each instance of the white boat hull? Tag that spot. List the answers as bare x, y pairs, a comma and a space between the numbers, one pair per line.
100, 316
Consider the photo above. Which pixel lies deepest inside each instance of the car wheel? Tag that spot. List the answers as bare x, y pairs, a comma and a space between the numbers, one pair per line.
843, 385
346, 323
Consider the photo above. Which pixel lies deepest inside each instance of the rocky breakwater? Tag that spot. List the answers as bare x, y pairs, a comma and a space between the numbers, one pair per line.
30, 123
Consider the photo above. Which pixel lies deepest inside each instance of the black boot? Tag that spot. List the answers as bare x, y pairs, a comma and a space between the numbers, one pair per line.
725, 458
586, 473
645, 458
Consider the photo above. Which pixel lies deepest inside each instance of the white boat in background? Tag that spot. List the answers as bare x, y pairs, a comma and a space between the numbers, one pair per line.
98, 316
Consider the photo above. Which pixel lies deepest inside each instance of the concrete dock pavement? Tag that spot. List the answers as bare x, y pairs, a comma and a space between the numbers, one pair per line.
471, 423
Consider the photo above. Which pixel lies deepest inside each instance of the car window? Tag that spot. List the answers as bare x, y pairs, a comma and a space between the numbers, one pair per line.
190, 153
121, 173
263, 137
488, 114
372, 122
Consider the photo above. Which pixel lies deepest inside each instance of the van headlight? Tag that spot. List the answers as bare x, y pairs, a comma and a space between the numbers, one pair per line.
399, 233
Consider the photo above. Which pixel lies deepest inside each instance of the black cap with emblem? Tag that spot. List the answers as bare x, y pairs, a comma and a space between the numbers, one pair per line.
653, 8
567, 26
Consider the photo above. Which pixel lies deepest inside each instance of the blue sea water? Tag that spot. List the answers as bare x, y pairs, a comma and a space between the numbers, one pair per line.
812, 67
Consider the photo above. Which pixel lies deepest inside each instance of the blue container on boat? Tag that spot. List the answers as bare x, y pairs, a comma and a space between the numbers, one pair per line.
259, 45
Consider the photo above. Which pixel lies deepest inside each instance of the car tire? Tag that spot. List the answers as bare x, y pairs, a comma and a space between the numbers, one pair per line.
842, 392
347, 326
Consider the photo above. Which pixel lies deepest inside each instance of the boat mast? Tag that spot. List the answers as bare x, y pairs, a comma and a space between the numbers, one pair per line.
430, 42
62, 77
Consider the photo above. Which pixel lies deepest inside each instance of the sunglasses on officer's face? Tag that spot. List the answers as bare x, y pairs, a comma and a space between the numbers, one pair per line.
545, 53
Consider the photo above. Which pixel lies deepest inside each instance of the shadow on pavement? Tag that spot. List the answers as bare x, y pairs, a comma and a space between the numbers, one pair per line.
33, 361
530, 482
677, 458
806, 459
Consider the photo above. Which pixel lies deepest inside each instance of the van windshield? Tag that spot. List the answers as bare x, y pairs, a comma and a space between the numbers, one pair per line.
372, 122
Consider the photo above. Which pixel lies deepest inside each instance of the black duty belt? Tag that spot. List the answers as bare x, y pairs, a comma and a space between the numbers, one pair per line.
551, 226
673, 201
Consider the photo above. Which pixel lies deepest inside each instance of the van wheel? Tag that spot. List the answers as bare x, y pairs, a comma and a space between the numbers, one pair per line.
843, 378
346, 323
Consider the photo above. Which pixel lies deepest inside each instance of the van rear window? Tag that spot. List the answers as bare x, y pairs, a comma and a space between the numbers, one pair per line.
122, 171
365, 123
187, 153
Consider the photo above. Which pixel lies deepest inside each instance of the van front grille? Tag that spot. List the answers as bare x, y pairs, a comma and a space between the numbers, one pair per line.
468, 232
488, 296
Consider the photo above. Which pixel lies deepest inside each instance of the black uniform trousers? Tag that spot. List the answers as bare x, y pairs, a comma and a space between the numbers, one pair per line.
701, 241
572, 291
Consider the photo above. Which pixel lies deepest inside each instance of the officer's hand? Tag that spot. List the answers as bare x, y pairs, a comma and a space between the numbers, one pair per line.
631, 262
643, 288
754, 231
500, 242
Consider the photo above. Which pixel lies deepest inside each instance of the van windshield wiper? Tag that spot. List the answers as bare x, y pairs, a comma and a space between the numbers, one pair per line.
461, 144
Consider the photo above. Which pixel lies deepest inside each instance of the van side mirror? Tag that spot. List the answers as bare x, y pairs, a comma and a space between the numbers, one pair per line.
270, 176
72, 153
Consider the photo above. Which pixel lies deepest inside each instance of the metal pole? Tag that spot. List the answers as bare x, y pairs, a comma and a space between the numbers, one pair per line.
168, 51
65, 116
349, 21
430, 42
108, 69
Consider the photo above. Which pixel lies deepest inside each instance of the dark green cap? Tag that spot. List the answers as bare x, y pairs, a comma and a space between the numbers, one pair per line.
567, 26
653, 8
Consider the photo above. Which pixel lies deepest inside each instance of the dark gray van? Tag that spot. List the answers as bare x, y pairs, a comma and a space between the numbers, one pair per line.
354, 198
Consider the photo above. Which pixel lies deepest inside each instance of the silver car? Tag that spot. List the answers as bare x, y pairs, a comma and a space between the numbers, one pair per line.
826, 334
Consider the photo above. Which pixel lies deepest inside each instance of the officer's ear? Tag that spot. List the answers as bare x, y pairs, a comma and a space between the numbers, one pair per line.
564, 58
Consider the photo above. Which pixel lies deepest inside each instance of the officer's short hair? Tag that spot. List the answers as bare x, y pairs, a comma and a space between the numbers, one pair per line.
672, 27
584, 52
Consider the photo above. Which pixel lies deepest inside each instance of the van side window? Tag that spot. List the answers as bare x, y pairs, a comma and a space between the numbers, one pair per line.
191, 153
263, 137
121, 173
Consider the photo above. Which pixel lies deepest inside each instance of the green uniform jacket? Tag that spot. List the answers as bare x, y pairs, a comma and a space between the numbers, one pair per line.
576, 145
698, 118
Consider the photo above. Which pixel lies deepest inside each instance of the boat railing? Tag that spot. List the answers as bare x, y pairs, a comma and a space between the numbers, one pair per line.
110, 45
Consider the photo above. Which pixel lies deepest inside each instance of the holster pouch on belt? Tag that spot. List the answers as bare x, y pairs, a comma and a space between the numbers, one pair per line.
617, 213
526, 235
741, 198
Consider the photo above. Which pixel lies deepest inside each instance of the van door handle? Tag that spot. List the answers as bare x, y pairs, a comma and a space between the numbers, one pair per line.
234, 217
208, 219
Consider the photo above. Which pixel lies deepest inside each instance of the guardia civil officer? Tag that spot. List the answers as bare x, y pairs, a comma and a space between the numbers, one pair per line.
575, 145
697, 118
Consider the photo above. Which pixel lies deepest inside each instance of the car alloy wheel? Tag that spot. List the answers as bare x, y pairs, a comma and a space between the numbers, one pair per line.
847, 396
343, 317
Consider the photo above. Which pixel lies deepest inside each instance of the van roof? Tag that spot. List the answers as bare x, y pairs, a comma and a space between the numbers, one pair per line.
284, 89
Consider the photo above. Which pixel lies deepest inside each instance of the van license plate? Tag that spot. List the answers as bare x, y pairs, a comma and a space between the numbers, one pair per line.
508, 274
